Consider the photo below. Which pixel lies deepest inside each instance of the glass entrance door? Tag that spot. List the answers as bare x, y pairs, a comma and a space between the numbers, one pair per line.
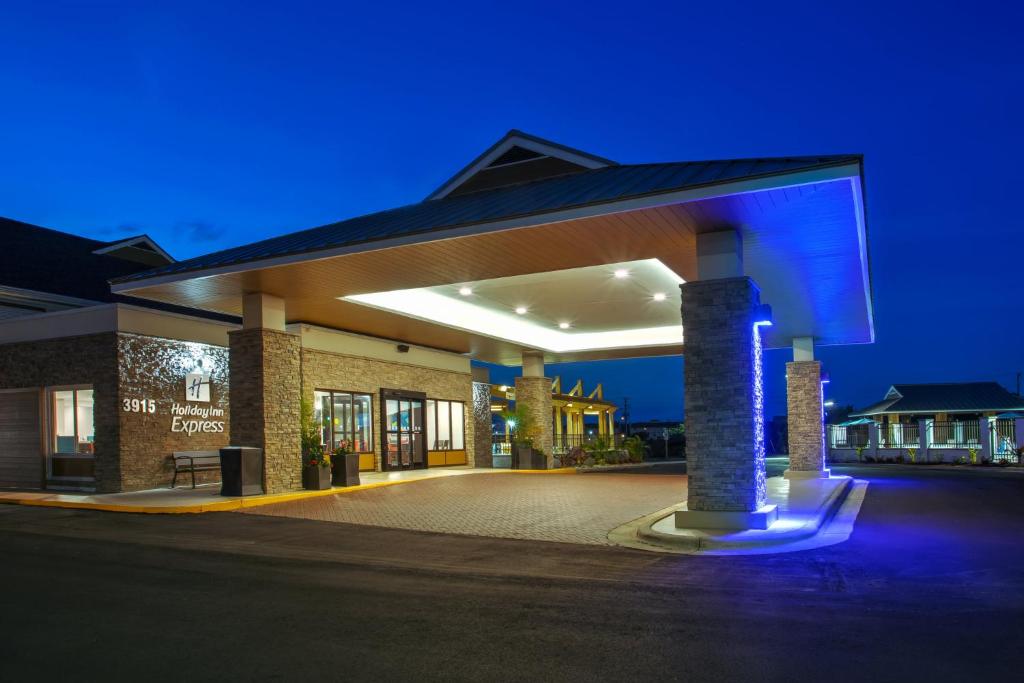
404, 444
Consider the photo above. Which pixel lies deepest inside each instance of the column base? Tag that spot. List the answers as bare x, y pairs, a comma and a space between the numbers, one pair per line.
807, 474
727, 519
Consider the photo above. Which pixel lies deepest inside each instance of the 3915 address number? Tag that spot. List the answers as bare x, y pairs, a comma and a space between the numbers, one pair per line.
139, 405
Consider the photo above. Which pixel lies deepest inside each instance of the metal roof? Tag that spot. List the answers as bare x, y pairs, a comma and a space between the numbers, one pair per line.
953, 397
610, 184
44, 260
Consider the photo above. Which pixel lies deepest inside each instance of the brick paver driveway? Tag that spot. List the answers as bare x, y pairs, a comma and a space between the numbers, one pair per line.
571, 508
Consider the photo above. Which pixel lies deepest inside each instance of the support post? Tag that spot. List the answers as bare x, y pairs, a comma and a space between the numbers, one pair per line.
266, 389
806, 413
873, 440
924, 439
724, 406
533, 390
985, 432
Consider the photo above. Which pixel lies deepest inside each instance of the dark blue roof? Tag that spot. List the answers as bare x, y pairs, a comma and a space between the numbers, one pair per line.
962, 397
613, 183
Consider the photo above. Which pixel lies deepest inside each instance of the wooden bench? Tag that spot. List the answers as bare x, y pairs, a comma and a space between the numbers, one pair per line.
194, 461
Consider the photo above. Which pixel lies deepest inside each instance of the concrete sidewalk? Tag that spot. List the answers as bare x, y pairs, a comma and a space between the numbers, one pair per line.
812, 513
207, 498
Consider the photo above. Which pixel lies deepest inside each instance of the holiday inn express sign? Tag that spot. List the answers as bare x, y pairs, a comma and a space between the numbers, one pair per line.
190, 417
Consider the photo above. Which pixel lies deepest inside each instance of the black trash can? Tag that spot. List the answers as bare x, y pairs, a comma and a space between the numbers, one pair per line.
241, 471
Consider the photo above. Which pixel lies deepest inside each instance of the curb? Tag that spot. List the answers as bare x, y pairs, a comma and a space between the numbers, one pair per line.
232, 504
640, 534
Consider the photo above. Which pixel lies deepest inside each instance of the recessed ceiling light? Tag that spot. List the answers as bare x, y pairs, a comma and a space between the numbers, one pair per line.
465, 291
563, 326
521, 310
660, 296
621, 273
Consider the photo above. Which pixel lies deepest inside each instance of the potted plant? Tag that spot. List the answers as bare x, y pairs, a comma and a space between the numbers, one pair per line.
344, 466
316, 464
523, 430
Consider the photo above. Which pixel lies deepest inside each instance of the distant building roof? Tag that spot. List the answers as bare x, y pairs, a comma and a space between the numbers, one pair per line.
585, 187
950, 397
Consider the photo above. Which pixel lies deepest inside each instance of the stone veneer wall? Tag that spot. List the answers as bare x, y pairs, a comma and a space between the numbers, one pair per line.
535, 393
88, 359
155, 368
328, 370
265, 367
482, 424
722, 384
805, 418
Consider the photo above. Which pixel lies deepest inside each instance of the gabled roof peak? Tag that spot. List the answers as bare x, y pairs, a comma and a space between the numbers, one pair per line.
516, 158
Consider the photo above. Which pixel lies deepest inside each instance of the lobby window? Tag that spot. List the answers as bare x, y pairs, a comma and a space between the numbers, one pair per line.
446, 425
71, 417
344, 416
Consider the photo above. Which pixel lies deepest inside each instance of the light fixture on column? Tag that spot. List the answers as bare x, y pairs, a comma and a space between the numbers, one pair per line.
763, 316
563, 326
521, 310
621, 273
659, 296
465, 291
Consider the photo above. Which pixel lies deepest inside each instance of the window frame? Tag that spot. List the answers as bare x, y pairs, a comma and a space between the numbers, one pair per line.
352, 413
49, 420
451, 425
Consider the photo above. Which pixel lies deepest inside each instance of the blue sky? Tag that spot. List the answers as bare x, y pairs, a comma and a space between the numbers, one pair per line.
209, 127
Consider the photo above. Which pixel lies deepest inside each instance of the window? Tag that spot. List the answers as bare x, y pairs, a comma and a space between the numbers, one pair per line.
72, 421
446, 425
344, 416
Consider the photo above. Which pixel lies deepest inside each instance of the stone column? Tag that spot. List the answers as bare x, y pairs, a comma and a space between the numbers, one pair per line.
265, 390
724, 405
806, 416
482, 448
533, 391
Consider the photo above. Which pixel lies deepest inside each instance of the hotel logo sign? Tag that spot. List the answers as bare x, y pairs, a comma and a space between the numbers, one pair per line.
190, 418
197, 386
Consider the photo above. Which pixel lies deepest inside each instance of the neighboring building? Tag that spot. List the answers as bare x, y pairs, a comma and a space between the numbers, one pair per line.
577, 415
533, 253
654, 429
941, 402
951, 415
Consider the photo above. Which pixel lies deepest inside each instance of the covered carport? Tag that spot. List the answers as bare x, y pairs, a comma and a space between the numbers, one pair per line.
594, 261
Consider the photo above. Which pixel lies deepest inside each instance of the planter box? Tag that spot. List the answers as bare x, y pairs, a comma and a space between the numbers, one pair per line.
316, 478
529, 459
501, 461
345, 470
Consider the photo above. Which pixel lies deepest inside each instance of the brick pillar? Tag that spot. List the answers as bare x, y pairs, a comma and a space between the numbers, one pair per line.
535, 394
724, 405
482, 425
265, 393
805, 419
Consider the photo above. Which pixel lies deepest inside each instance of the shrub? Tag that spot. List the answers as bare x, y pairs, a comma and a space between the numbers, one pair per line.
636, 448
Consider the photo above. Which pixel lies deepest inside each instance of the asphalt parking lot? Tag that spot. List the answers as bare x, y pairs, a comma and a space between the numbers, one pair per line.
930, 587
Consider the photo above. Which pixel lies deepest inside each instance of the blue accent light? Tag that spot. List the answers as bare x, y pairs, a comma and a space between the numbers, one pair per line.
760, 476
763, 316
